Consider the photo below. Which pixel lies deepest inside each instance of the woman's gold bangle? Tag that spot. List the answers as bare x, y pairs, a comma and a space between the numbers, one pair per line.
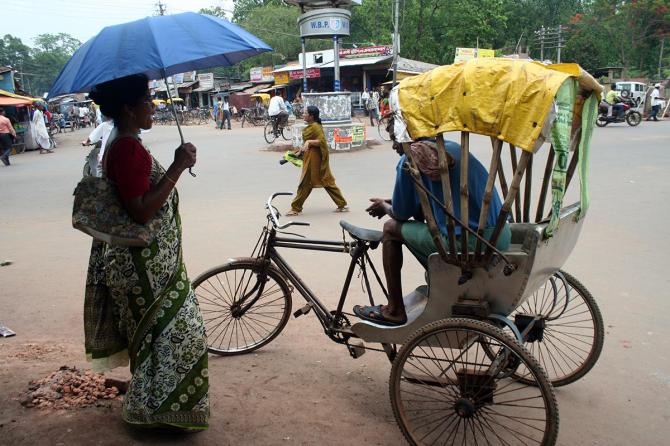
167, 177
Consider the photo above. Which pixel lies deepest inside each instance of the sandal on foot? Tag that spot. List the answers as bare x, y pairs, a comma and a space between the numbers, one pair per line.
342, 209
375, 315
293, 213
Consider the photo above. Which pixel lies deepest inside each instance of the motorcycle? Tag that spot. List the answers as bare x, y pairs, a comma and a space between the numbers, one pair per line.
629, 115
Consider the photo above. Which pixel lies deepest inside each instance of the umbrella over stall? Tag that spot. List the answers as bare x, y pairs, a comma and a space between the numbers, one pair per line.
158, 47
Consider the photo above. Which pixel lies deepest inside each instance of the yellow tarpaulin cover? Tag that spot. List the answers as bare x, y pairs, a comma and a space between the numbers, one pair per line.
504, 98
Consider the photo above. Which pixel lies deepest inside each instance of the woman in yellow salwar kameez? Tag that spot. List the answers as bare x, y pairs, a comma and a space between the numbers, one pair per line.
315, 168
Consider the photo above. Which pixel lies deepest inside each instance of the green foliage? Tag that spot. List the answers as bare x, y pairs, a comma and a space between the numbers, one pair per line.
38, 66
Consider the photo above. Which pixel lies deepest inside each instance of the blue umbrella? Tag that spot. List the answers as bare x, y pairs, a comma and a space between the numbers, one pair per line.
158, 47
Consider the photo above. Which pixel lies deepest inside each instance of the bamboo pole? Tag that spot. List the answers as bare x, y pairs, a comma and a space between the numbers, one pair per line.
545, 185
501, 179
446, 193
507, 205
465, 152
488, 193
425, 206
527, 189
517, 202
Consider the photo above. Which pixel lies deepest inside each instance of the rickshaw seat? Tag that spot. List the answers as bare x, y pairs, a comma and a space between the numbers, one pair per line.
535, 256
368, 235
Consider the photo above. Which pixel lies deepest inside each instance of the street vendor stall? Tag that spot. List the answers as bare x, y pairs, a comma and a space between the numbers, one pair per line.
17, 108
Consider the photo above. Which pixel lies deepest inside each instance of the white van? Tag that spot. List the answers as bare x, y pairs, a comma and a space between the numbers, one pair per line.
637, 91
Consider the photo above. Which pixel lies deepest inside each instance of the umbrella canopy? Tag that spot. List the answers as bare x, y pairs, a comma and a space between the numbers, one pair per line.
156, 46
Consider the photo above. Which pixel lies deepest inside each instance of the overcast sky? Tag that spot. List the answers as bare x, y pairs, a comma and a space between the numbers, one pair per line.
83, 19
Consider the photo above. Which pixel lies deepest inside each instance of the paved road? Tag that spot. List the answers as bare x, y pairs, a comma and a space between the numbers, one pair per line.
302, 388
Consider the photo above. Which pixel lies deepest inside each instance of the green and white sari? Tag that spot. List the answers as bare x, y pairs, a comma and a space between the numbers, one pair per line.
140, 308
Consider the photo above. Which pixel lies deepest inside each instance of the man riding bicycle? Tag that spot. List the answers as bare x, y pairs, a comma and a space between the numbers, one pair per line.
278, 112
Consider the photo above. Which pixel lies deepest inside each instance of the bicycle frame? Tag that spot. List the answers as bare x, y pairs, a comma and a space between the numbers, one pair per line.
267, 252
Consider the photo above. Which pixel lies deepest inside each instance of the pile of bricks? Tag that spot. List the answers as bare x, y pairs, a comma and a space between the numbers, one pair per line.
69, 388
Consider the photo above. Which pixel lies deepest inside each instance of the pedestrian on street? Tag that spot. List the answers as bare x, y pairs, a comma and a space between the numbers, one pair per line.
98, 137
226, 112
40, 130
375, 105
139, 305
7, 137
315, 165
656, 102
218, 106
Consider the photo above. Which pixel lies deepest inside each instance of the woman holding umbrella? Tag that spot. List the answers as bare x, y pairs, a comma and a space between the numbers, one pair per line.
155, 318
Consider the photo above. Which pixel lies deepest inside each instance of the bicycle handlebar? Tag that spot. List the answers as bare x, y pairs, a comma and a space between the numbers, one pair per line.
275, 217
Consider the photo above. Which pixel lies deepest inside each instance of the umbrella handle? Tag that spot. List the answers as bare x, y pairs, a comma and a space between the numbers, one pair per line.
174, 113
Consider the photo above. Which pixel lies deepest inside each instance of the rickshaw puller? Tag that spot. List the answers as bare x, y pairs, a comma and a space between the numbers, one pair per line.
407, 226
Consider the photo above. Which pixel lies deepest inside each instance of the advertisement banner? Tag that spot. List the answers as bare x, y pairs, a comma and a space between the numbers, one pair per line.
311, 73
481, 52
281, 78
368, 51
325, 23
472, 53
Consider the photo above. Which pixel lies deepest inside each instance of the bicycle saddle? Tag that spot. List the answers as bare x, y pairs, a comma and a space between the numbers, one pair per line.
368, 235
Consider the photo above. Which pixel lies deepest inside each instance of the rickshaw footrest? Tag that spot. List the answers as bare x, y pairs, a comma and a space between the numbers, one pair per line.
356, 348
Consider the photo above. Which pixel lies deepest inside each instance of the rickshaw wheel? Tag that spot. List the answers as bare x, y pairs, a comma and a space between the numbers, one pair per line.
574, 332
219, 290
446, 388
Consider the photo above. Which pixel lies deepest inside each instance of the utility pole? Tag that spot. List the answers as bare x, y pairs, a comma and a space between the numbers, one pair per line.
160, 8
396, 48
551, 39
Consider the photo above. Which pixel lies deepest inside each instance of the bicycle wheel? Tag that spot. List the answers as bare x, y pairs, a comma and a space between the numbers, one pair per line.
219, 290
381, 128
269, 134
445, 389
287, 133
573, 334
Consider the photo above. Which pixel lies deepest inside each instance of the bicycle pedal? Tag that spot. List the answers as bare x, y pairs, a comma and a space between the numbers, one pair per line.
356, 348
302, 311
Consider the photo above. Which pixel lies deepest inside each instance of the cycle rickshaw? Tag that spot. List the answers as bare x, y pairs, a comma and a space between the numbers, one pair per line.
491, 333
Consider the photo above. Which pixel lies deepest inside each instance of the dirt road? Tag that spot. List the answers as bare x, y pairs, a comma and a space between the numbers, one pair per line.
303, 389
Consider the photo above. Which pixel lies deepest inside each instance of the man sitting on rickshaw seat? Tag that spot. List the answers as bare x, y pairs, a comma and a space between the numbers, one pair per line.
407, 226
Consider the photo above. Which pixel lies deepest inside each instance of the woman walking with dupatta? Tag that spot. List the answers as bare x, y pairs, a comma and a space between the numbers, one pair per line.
315, 168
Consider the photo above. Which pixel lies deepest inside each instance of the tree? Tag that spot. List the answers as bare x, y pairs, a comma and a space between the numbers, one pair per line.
50, 54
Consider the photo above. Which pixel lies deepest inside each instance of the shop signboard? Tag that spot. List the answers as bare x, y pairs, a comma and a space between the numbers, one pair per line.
267, 74
368, 51
206, 80
256, 74
282, 78
189, 76
311, 73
